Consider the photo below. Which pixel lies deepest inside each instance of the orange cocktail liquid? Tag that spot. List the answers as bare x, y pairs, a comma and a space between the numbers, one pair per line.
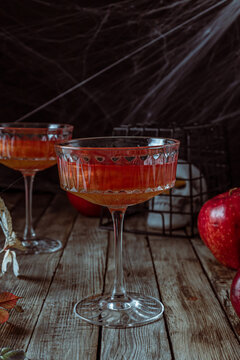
27, 155
116, 185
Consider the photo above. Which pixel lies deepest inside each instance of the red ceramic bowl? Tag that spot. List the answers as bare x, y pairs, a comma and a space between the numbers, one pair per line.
83, 206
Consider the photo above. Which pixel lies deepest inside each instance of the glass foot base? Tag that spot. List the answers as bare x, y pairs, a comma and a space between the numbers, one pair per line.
134, 310
40, 246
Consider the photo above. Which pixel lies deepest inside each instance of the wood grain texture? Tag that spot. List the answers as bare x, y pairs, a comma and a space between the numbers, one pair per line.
199, 322
149, 341
36, 273
197, 325
221, 279
59, 334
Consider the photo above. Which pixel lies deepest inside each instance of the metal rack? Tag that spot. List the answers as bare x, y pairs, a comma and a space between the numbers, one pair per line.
203, 171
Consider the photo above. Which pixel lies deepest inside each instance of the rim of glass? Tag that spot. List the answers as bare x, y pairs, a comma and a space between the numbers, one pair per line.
67, 144
34, 125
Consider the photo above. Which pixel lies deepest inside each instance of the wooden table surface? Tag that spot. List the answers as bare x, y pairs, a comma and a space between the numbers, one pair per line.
198, 323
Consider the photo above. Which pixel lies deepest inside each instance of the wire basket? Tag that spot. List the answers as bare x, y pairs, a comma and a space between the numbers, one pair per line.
203, 171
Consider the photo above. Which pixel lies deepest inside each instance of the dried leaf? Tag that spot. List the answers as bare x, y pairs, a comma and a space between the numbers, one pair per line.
15, 264
11, 239
6, 220
10, 257
8, 300
7, 259
19, 308
5, 350
4, 315
13, 243
8, 354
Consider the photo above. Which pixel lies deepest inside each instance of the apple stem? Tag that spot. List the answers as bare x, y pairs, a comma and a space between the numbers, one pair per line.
231, 190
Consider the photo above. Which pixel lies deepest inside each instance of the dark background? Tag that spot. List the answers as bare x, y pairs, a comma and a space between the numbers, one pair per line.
135, 62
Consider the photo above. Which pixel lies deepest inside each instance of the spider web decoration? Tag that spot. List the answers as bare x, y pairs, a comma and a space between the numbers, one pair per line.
98, 66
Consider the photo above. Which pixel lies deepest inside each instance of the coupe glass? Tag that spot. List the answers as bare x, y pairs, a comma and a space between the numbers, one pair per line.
29, 147
117, 172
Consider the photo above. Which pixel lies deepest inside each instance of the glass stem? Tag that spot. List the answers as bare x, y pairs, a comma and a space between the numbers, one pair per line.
29, 233
119, 286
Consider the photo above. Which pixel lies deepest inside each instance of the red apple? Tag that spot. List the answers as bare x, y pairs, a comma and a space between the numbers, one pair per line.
235, 293
83, 206
219, 227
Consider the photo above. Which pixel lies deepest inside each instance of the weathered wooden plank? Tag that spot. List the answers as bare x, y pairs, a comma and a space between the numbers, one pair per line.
59, 334
36, 273
197, 325
149, 341
221, 279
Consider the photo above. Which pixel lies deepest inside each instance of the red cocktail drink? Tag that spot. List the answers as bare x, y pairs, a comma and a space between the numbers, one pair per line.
117, 185
118, 172
27, 155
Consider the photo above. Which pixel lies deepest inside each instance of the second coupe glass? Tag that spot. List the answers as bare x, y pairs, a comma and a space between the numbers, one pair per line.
29, 147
